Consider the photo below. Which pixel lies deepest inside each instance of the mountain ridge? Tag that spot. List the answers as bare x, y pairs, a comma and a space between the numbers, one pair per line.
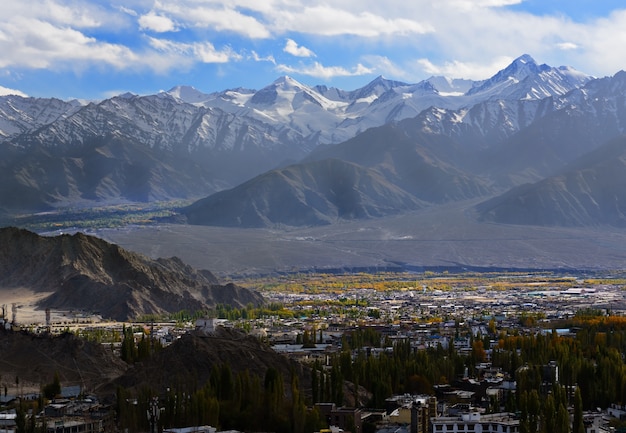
438, 140
89, 274
318, 193
590, 191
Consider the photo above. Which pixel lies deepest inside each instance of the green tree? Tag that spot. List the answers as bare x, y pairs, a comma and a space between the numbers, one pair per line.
534, 411
53, 389
549, 416
273, 386
20, 419
562, 420
128, 349
524, 426
578, 425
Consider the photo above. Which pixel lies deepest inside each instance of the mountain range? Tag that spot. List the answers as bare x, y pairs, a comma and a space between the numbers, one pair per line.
295, 155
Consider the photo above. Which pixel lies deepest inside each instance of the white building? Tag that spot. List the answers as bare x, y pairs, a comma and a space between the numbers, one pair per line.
207, 326
474, 422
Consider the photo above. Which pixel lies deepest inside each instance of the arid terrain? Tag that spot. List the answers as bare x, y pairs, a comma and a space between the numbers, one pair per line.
449, 237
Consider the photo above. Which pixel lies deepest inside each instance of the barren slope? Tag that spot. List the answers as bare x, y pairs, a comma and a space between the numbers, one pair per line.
87, 273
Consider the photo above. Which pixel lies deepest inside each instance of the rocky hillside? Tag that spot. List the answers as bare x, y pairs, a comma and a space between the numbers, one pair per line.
89, 274
428, 166
193, 356
315, 193
590, 191
108, 169
35, 359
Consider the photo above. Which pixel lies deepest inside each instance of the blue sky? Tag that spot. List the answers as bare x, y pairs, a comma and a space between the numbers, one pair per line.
93, 49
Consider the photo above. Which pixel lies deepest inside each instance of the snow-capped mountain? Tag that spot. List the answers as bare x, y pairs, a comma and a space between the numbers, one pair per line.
21, 114
312, 115
524, 79
236, 134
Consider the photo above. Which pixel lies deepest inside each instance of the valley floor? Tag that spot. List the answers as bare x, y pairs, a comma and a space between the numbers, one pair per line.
445, 237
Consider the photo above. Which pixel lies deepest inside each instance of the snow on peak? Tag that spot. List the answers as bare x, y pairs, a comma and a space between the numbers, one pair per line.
525, 79
524, 58
520, 68
126, 95
188, 94
375, 88
286, 82
449, 86
5, 91
284, 88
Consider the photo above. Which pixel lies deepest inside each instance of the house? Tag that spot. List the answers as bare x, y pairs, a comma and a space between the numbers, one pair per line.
345, 418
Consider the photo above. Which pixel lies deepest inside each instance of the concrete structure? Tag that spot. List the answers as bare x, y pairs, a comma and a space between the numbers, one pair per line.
348, 419
74, 425
207, 326
422, 412
200, 429
474, 422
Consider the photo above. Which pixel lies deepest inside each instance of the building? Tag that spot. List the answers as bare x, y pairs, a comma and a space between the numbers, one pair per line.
208, 326
200, 429
348, 419
474, 422
422, 412
74, 425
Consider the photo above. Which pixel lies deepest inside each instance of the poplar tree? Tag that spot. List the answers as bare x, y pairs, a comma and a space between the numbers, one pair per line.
578, 424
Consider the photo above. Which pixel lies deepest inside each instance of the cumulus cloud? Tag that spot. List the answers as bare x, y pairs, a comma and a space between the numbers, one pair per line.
156, 23
36, 44
73, 13
325, 72
457, 38
602, 45
294, 49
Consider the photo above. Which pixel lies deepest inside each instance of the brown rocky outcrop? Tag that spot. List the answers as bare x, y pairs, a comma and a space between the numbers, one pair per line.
87, 273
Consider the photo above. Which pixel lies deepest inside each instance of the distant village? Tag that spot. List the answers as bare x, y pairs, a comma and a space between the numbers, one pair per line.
418, 317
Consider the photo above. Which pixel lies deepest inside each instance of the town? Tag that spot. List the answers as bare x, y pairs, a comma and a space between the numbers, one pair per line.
429, 352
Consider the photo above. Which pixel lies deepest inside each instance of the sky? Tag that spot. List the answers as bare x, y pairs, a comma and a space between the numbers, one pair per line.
94, 49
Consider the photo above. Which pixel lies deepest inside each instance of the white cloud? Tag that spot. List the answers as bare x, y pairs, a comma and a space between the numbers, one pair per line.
468, 5
382, 65
292, 48
128, 11
6, 91
74, 13
214, 17
36, 44
203, 52
257, 58
156, 23
325, 72
469, 70
457, 38
328, 21
604, 46
567, 46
